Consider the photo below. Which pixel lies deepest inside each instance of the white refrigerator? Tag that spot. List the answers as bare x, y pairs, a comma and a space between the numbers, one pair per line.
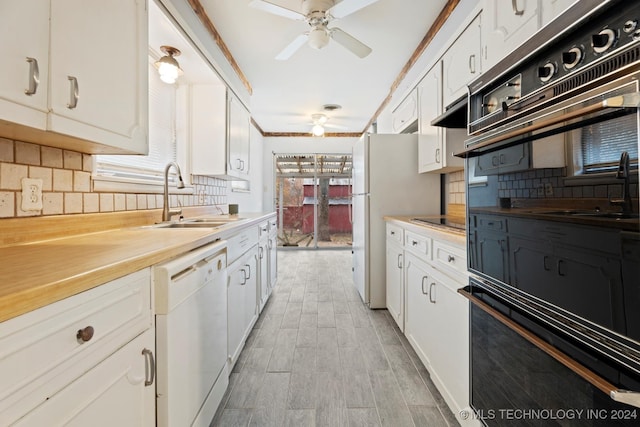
385, 182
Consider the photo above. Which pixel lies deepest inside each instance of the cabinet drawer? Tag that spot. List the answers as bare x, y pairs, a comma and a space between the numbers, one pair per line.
449, 259
418, 244
241, 242
263, 229
395, 233
491, 223
40, 353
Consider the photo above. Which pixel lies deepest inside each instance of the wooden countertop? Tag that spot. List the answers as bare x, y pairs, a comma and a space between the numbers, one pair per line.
452, 234
39, 273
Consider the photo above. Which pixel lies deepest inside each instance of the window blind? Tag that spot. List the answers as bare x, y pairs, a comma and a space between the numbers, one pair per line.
602, 143
162, 138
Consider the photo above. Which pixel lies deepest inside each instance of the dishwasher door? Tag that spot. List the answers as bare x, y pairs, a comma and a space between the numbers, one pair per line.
191, 336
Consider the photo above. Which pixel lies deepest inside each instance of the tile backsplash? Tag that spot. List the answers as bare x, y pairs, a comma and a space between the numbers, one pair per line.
456, 188
67, 186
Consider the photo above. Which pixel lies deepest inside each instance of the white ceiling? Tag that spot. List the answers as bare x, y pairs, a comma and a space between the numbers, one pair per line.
286, 93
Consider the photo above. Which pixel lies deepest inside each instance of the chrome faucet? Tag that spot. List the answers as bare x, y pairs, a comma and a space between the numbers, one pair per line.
623, 173
167, 213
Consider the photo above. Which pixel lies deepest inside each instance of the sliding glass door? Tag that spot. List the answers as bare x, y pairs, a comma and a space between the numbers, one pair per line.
313, 200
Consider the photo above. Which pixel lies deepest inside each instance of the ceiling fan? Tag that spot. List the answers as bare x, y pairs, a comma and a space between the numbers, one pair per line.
318, 14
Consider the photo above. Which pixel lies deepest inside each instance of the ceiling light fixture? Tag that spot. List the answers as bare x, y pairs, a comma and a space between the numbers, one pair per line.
318, 38
167, 66
319, 120
317, 130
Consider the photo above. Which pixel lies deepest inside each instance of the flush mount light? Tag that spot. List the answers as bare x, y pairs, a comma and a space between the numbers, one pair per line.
167, 66
317, 130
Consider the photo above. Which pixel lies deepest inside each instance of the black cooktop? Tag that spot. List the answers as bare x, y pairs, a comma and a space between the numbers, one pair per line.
447, 222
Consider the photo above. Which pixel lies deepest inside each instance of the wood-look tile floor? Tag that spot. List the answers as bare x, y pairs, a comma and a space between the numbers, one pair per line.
318, 356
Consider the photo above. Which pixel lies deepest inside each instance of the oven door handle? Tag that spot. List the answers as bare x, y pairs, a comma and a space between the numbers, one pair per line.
623, 396
628, 100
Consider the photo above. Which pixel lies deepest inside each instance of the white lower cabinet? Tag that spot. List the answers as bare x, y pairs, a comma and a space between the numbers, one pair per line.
272, 245
395, 291
72, 362
116, 392
242, 302
433, 316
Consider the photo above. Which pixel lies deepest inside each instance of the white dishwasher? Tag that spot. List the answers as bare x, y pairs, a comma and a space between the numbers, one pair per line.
191, 336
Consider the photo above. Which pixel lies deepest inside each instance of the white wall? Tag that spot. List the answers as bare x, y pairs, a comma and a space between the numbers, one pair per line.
251, 201
298, 145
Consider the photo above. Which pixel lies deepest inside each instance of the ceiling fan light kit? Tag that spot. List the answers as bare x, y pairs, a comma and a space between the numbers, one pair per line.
317, 14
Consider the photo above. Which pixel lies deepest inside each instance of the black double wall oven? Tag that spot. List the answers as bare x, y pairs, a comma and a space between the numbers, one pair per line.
553, 228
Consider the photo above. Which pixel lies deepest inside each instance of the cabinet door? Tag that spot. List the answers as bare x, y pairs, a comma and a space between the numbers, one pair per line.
461, 63
449, 342
430, 137
419, 314
24, 31
236, 309
99, 72
491, 254
117, 392
251, 297
406, 113
208, 127
273, 259
395, 291
551, 9
263, 282
583, 282
238, 136
510, 159
506, 25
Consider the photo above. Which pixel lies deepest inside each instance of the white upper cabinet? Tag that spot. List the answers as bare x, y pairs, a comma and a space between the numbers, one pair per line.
506, 25
430, 137
461, 63
88, 69
551, 9
406, 113
98, 72
219, 132
238, 134
25, 66
436, 145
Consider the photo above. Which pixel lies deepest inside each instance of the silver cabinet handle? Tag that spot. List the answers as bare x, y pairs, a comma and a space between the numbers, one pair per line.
514, 6
399, 260
472, 63
244, 277
74, 92
249, 267
149, 367
393, 233
450, 258
437, 155
261, 248
422, 285
34, 76
414, 243
432, 294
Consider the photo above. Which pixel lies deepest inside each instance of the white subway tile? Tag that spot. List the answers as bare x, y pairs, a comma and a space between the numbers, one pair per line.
6, 150
45, 174
27, 153
7, 204
51, 157
81, 181
52, 203
72, 203
11, 176
62, 180
72, 160
91, 202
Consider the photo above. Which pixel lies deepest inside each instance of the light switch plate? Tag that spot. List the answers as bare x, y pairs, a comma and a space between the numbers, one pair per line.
31, 194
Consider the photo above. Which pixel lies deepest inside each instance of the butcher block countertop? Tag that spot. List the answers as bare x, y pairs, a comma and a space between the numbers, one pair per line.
38, 273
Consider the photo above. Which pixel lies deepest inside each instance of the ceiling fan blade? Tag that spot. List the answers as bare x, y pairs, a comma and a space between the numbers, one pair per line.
347, 7
275, 9
350, 43
292, 47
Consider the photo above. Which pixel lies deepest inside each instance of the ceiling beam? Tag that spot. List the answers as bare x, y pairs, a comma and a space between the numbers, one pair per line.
433, 30
208, 24
308, 135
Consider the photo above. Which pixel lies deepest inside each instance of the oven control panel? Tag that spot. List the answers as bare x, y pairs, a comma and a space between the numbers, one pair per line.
575, 59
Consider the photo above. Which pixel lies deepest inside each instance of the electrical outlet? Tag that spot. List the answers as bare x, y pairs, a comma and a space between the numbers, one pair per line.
201, 197
31, 194
548, 189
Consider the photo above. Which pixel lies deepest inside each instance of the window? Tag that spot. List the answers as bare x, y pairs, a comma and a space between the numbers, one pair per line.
602, 143
162, 140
